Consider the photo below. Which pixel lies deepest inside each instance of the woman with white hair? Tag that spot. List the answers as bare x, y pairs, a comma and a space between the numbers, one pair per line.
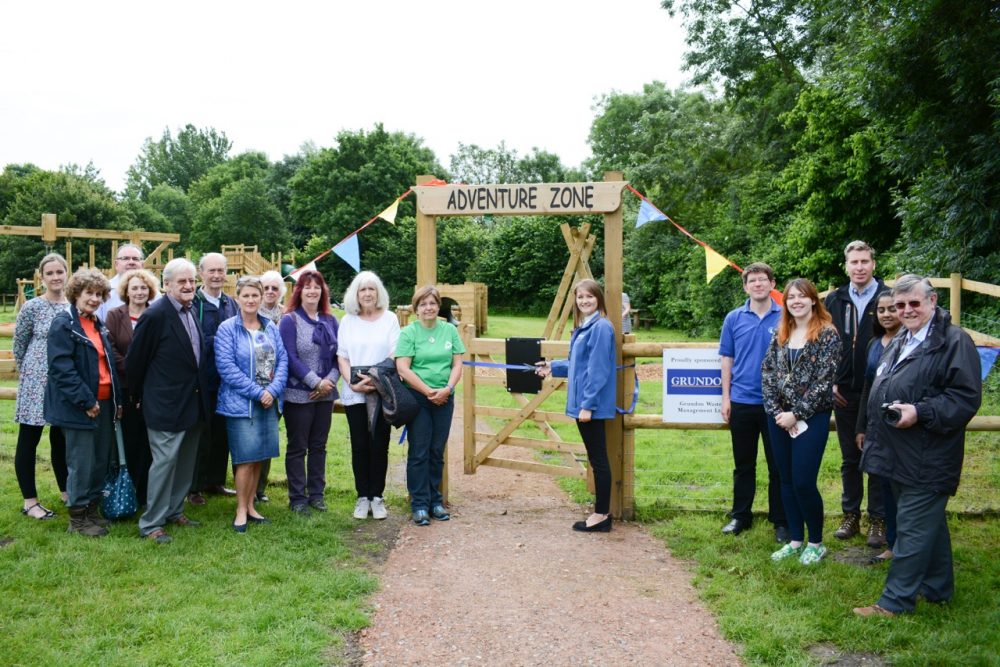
368, 335
274, 294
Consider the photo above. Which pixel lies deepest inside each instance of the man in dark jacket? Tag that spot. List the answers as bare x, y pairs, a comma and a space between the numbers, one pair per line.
166, 375
212, 307
926, 389
853, 310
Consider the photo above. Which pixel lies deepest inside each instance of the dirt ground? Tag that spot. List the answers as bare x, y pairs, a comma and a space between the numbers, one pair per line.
507, 582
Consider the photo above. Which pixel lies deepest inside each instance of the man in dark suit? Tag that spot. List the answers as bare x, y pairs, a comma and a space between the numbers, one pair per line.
166, 372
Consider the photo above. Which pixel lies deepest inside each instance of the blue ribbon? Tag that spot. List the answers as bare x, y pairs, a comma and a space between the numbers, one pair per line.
529, 367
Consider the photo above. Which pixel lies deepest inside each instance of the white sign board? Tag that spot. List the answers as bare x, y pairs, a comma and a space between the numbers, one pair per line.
692, 386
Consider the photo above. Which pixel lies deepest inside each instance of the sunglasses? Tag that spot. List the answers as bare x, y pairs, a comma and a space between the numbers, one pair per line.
271, 288
913, 304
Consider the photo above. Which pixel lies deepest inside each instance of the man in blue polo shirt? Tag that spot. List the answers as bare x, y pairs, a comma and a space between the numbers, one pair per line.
746, 333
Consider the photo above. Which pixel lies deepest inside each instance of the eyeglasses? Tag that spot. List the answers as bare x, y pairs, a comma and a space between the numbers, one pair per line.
271, 288
130, 259
913, 304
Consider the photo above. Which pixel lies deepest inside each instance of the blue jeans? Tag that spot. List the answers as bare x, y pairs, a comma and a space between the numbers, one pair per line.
427, 435
798, 462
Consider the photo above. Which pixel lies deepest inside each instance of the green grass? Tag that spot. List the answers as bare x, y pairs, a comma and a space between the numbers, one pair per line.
287, 594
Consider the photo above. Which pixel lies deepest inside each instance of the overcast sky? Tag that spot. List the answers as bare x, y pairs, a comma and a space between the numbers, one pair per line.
90, 81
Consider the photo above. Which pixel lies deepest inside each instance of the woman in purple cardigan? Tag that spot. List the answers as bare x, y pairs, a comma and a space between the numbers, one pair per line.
309, 332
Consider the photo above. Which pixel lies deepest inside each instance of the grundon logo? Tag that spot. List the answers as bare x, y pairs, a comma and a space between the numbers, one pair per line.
690, 381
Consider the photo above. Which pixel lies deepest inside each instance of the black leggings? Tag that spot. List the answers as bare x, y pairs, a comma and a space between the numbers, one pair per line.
28, 437
369, 451
595, 441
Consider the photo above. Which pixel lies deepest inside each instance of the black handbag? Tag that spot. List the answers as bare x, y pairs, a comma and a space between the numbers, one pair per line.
119, 492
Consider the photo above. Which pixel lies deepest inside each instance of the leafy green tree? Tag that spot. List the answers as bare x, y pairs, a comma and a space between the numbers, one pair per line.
176, 161
340, 188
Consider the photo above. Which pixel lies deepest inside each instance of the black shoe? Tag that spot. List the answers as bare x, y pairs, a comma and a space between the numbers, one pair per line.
781, 534
440, 513
318, 505
301, 509
239, 527
599, 527
259, 520
262, 498
735, 527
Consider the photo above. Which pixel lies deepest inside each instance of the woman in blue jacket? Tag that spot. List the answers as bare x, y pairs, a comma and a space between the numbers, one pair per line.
253, 369
591, 392
83, 397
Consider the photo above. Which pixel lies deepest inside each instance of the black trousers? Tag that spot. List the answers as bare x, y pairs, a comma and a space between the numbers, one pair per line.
747, 425
213, 453
850, 471
28, 437
595, 441
138, 456
369, 451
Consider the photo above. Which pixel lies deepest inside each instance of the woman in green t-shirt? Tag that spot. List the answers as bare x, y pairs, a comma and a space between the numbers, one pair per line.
429, 360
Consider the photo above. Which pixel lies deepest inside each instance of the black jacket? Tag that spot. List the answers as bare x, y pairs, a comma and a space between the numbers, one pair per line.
210, 317
942, 379
74, 374
162, 371
855, 332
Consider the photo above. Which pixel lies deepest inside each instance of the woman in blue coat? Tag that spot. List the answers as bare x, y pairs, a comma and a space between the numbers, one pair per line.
253, 369
83, 397
591, 392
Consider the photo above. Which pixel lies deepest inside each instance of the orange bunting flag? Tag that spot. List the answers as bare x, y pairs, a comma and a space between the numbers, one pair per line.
389, 214
714, 263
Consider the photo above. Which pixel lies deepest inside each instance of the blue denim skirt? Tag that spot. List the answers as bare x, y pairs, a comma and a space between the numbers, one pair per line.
254, 438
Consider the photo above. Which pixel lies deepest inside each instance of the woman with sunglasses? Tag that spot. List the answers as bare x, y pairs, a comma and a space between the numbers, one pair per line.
253, 368
797, 381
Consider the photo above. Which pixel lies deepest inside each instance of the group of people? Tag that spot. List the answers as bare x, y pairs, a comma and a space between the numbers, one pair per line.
193, 378
902, 381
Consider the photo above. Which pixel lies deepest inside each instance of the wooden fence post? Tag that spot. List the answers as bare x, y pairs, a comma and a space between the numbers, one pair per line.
955, 302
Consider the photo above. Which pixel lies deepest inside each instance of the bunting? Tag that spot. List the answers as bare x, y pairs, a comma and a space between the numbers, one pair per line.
311, 266
349, 251
648, 213
389, 214
714, 263
987, 357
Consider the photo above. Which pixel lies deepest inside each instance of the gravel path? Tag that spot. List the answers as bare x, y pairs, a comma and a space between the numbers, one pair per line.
506, 582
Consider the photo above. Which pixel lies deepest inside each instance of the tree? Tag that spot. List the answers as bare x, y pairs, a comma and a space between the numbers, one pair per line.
340, 188
178, 162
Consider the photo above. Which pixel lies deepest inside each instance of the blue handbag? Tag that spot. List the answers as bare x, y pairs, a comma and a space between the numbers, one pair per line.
119, 491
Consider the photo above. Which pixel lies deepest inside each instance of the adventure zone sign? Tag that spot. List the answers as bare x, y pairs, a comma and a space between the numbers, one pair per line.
524, 199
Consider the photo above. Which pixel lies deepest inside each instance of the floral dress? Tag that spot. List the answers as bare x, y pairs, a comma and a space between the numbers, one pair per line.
31, 354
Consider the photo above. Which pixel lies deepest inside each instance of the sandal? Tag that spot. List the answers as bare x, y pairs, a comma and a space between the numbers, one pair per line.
48, 514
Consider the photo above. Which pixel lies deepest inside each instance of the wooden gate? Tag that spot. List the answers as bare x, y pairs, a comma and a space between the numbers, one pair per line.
481, 442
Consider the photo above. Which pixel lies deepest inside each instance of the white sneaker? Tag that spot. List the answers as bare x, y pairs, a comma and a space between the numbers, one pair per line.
378, 508
361, 508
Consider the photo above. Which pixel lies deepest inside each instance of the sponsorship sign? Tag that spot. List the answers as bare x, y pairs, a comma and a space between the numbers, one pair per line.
692, 386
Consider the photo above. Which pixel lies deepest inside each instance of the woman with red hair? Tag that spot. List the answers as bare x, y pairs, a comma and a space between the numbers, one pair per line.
309, 332
797, 379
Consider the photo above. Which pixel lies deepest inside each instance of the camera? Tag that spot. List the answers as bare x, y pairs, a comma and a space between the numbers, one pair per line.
889, 415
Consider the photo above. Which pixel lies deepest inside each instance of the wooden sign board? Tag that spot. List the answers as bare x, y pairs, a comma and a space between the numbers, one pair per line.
523, 199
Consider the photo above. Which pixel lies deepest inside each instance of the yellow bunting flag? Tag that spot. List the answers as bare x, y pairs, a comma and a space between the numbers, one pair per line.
389, 214
714, 263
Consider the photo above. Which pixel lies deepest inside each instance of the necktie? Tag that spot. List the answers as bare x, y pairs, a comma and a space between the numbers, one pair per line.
187, 317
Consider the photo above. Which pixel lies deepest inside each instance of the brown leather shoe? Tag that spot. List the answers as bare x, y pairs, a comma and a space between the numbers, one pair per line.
196, 498
849, 527
874, 610
185, 521
220, 491
159, 536
876, 533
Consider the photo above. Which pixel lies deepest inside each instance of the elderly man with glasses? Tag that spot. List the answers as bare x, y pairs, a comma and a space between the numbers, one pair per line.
926, 389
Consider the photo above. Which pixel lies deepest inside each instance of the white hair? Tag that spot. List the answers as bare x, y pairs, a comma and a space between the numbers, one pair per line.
211, 255
175, 265
130, 245
268, 276
365, 279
